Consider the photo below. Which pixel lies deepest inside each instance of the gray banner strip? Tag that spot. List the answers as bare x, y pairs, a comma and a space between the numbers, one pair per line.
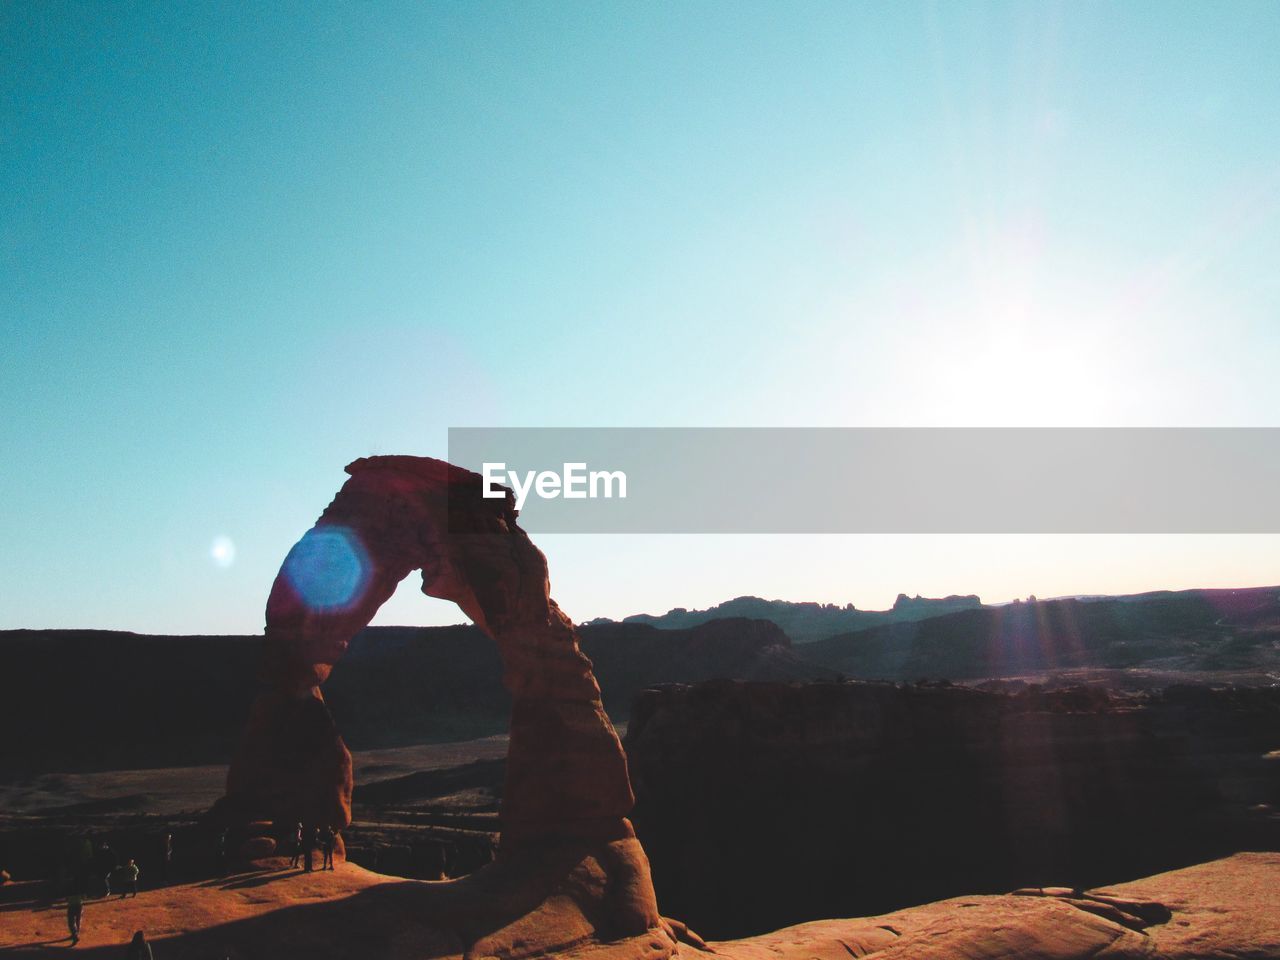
892, 480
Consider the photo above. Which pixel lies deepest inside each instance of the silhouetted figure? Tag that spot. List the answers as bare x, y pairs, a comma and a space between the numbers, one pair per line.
223, 841
75, 911
309, 845
328, 839
105, 863
139, 949
297, 846
130, 873
166, 862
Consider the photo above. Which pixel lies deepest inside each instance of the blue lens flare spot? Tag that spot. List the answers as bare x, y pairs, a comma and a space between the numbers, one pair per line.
329, 569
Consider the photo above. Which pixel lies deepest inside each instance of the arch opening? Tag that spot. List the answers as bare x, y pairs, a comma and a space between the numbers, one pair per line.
566, 771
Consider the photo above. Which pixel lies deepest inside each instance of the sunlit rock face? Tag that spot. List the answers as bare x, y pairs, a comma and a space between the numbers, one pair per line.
567, 793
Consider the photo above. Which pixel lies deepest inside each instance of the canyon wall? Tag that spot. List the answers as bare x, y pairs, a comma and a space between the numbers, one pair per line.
766, 804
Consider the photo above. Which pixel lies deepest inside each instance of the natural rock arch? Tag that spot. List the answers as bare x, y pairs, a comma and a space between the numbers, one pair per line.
566, 790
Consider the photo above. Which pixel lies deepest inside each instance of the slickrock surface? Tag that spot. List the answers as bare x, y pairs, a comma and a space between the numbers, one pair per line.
1223, 910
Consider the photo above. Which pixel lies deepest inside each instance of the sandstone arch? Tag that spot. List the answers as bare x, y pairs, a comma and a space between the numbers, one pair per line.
567, 792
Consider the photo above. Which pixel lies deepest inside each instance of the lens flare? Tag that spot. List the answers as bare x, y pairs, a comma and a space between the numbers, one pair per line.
329, 569
223, 551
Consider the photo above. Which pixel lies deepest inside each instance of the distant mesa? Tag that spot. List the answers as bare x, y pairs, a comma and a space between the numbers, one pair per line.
932, 608
807, 622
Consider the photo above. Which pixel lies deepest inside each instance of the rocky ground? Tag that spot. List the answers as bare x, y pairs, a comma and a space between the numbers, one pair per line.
1223, 909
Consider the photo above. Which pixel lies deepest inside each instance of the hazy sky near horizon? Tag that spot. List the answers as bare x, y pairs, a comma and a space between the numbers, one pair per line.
243, 245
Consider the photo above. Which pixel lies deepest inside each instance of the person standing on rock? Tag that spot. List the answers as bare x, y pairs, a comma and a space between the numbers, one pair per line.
328, 840
297, 847
223, 841
130, 871
106, 864
139, 949
309, 845
75, 911
167, 857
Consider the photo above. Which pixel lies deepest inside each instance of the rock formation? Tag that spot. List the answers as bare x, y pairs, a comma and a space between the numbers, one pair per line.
569, 868
764, 804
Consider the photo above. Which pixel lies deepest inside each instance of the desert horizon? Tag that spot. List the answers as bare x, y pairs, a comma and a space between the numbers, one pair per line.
428, 795
618, 481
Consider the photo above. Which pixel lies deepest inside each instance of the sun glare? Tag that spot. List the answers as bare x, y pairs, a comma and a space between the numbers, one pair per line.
223, 551
1039, 349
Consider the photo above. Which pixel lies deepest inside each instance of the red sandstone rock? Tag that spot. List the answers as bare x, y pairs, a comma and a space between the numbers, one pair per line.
567, 793
1224, 910
255, 848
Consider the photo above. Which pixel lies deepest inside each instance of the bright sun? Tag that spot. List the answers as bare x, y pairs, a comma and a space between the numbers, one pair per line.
223, 551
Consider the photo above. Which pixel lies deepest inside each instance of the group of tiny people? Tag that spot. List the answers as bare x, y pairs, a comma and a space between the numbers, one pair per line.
305, 842
115, 878
123, 880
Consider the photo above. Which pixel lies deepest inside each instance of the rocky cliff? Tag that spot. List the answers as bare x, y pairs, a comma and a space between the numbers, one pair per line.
766, 804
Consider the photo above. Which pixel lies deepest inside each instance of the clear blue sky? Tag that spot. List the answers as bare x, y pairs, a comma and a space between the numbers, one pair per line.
241, 245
